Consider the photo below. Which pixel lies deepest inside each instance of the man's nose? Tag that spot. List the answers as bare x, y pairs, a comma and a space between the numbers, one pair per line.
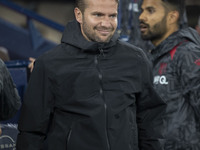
106, 22
142, 17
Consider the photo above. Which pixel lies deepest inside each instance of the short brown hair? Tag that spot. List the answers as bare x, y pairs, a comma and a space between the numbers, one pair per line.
82, 5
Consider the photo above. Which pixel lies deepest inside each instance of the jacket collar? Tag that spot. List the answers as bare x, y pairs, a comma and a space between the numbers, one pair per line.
174, 39
167, 45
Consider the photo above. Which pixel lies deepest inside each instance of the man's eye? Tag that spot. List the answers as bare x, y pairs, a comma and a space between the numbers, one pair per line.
97, 15
113, 16
151, 11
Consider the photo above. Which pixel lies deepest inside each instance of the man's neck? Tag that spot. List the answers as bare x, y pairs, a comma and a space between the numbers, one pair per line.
168, 33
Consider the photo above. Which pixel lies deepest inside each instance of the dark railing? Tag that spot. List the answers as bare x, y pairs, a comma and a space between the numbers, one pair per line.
32, 15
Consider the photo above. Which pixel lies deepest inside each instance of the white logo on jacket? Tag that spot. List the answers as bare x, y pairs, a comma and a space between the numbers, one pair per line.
160, 80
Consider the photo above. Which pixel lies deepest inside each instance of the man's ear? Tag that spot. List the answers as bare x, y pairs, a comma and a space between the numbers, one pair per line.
173, 17
78, 14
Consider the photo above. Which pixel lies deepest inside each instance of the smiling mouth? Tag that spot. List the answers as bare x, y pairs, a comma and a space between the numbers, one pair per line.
104, 32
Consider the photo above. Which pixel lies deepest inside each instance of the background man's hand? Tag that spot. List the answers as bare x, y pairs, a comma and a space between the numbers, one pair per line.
31, 65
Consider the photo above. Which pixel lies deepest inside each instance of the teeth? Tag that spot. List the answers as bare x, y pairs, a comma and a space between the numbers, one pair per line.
143, 26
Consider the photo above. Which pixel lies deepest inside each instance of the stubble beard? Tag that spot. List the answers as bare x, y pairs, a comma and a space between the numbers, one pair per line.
156, 32
91, 34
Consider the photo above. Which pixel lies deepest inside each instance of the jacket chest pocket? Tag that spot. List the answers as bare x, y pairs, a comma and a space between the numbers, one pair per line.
80, 86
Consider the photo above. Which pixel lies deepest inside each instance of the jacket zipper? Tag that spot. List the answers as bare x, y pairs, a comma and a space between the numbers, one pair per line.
101, 52
101, 93
69, 136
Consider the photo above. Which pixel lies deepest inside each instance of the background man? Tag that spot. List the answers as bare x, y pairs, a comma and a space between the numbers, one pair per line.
176, 70
9, 98
91, 92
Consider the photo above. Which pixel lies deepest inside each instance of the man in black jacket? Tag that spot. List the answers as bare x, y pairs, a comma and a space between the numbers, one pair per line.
91, 92
176, 70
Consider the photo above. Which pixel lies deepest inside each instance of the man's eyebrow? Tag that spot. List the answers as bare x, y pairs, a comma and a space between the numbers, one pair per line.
97, 12
114, 14
101, 13
150, 7
147, 7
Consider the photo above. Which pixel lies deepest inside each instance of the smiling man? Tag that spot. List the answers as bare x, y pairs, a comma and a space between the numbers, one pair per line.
97, 25
91, 92
176, 70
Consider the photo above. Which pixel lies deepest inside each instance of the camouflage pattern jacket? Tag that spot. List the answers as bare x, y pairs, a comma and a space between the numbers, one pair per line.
176, 70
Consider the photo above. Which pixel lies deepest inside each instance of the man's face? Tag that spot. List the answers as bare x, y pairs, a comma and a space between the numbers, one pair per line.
153, 20
99, 20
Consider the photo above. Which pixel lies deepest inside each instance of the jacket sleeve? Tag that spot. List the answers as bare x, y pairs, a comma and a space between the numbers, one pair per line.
189, 74
9, 98
150, 111
36, 110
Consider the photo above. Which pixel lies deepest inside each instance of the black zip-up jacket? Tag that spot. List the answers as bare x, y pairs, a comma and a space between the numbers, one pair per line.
10, 101
176, 70
91, 96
